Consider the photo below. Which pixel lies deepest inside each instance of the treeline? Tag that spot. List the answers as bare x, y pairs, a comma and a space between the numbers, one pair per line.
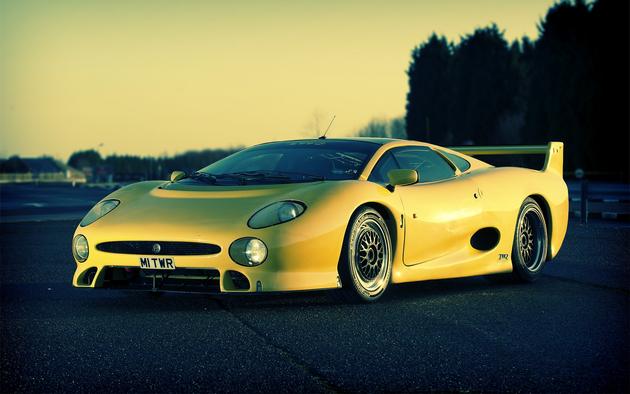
569, 85
124, 168
393, 128
13, 165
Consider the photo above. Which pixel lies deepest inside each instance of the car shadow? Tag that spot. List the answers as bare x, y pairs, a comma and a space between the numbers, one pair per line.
143, 301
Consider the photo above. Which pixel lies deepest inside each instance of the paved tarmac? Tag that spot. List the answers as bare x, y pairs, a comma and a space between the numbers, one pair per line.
42, 202
569, 332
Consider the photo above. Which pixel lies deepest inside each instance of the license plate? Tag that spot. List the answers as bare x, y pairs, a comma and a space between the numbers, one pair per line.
157, 263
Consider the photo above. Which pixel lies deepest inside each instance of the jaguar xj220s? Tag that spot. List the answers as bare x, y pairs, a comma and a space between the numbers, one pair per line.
356, 214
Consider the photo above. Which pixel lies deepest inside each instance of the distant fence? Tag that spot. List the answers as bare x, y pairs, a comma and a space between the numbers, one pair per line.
599, 200
16, 178
29, 177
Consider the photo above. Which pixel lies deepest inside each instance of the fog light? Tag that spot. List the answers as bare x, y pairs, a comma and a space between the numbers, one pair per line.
248, 251
80, 248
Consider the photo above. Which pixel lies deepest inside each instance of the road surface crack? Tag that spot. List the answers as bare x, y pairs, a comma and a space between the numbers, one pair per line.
284, 352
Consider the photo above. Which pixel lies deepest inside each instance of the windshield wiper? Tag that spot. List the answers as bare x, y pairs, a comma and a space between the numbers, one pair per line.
273, 174
204, 177
244, 176
213, 178
304, 175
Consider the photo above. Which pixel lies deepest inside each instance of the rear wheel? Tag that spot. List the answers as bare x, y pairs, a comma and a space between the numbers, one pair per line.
529, 250
365, 266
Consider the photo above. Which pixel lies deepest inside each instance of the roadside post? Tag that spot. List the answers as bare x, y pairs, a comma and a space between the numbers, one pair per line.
579, 173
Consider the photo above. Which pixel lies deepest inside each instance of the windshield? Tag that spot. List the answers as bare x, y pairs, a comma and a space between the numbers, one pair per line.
291, 161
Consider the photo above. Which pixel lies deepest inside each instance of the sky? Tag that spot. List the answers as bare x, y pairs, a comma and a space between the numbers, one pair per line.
161, 77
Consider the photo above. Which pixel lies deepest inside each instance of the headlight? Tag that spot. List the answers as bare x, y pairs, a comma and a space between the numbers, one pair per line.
248, 251
80, 248
276, 213
98, 211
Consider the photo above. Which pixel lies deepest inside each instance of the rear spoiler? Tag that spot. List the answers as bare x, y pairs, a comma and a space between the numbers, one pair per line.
552, 152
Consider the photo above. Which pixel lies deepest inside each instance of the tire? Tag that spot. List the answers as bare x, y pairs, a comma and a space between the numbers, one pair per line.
529, 249
365, 266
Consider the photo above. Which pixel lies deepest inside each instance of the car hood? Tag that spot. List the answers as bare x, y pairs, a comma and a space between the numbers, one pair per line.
154, 206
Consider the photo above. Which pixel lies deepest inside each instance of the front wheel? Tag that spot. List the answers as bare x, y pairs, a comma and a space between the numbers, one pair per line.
529, 250
365, 266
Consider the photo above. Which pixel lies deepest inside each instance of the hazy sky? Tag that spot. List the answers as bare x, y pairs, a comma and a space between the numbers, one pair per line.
155, 77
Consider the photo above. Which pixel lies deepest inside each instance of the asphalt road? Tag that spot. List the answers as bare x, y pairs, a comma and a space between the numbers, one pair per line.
567, 333
28, 201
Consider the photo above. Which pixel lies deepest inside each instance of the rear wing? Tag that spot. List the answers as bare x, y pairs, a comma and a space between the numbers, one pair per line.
552, 151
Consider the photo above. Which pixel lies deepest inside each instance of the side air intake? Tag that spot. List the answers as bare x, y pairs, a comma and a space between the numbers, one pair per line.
485, 239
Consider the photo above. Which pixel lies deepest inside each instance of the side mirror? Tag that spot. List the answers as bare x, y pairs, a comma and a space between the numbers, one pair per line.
401, 178
177, 175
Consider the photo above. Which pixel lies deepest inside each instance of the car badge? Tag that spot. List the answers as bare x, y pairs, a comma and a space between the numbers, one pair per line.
156, 248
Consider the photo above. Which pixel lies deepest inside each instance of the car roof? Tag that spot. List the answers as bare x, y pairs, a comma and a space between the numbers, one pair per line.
382, 142
374, 140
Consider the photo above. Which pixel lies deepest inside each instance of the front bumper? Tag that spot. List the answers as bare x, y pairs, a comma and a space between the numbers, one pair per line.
297, 260
196, 275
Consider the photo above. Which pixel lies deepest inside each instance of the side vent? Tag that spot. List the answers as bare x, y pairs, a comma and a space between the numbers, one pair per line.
485, 239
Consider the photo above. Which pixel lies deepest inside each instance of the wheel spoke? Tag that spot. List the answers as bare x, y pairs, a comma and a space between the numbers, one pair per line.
531, 239
371, 254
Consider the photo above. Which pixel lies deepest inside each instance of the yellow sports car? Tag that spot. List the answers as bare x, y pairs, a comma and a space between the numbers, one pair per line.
355, 213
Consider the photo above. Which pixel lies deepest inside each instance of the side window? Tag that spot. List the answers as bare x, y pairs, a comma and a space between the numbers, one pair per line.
460, 162
431, 167
380, 170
